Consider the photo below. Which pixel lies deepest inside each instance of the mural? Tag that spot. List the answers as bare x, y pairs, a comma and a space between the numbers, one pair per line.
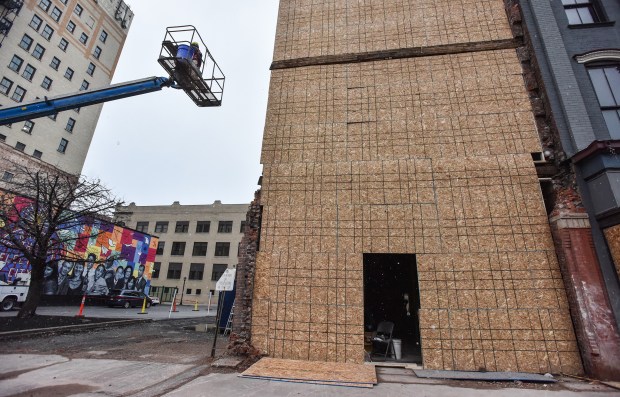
103, 257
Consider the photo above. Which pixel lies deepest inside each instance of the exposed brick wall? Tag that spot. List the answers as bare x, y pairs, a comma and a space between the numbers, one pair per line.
595, 325
242, 320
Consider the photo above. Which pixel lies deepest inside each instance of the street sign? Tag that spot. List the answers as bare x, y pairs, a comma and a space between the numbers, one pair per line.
227, 281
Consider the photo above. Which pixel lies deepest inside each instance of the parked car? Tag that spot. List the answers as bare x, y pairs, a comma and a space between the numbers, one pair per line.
127, 298
154, 300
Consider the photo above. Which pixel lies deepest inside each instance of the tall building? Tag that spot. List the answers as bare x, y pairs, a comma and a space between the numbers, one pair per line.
52, 47
400, 185
576, 48
197, 243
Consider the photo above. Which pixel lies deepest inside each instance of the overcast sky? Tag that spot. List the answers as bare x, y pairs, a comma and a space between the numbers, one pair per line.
158, 148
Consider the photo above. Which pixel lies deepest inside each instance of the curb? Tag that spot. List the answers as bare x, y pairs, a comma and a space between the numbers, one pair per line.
71, 328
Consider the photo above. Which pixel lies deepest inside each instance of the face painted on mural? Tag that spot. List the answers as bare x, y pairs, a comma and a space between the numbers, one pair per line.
78, 269
65, 268
119, 273
90, 261
100, 271
131, 283
128, 272
48, 271
140, 271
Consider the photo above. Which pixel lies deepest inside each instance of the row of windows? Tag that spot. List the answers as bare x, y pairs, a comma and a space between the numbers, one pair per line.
183, 227
56, 13
36, 22
166, 290
200, 248
196, 271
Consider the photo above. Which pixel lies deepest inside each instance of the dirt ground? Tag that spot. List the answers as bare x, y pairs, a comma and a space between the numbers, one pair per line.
168, 341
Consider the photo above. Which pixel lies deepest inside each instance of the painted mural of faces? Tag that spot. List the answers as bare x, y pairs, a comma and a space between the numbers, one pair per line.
128, 272
140, 271
78, 269
131, 283
65, 268
100, 271
119, 273
48, 271
90, 261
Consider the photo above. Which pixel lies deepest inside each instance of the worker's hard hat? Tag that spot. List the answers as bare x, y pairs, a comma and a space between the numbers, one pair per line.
194, 44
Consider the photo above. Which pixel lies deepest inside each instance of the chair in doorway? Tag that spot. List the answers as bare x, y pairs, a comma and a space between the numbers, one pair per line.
382, 341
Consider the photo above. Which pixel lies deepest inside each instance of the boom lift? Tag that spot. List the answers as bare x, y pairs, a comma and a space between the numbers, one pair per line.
175, 57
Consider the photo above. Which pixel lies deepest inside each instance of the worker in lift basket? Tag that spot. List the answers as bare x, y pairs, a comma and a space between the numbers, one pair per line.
197, 56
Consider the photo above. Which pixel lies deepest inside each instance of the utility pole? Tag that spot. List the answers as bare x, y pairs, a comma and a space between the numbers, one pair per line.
182, 291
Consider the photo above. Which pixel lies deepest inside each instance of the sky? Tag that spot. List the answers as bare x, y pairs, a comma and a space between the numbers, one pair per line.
158, 148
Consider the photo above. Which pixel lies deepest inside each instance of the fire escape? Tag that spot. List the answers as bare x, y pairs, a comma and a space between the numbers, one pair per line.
9, 9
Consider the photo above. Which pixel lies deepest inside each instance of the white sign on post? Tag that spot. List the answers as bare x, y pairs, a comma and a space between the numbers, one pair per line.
227, 281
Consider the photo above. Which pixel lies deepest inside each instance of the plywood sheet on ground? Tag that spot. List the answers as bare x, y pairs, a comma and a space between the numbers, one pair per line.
315, 372
488, 376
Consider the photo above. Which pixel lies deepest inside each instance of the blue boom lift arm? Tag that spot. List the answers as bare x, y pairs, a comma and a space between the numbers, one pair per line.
50, 106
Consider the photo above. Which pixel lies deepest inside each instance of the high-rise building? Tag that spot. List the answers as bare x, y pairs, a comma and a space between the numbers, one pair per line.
400, 185
574, 50
52, 47
197, 243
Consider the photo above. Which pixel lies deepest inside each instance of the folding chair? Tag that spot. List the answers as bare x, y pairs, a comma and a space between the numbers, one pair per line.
382, 341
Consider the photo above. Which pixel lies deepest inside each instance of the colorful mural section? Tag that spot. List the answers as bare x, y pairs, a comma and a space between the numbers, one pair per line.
96, 258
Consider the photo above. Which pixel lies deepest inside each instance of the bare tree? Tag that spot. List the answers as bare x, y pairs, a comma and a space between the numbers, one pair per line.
39, 211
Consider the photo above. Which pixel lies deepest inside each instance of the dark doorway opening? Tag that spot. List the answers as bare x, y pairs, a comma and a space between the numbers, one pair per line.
391, 293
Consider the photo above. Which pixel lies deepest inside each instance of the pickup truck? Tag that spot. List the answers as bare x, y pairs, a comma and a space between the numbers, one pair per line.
14, 292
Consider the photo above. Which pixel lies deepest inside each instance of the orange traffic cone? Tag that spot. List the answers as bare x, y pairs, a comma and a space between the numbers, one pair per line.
174, 305
81, 312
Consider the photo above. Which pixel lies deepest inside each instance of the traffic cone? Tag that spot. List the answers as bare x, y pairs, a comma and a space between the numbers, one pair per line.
143, 307
174, 305
81, 312
195, 306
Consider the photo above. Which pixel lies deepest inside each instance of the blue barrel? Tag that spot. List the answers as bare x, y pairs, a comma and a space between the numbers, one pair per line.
185, 51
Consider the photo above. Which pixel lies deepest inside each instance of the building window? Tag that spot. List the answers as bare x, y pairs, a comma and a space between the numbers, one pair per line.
71, 26
71, 125
37, 154
16, 63
47, 32
56, 14
188, 291
224, 227
218, 270
200, 249
45, 5
91, 69
35, 22
78, 10
38, 51
62, 147
181, 227
83, 38
7, 176
20, 146
63, 44
242, 227
85, 85
29, 72
160, 248
103, 36
5, 86
97, 52
580, 12
69, 74
46, 83
2, 137
64, 2
178, 248
161, 227
142, 227
174, 270
198, 291
55, 63
18, 94
26, 42
203, 226
222, 249
606, 82
196, 271
28, 126
156, 268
